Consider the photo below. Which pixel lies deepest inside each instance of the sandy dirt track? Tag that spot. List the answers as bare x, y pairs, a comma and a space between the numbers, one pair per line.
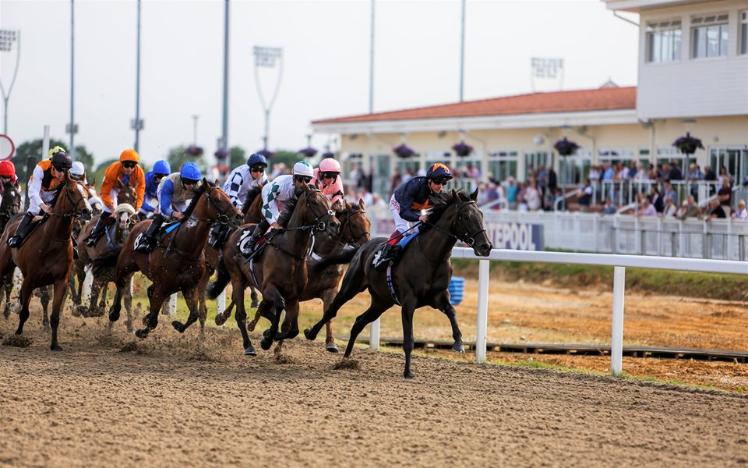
166, 403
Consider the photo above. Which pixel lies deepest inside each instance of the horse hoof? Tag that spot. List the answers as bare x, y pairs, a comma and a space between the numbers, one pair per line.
332, 348
408, 375
141, 333
220, 319
56, 347
458, 348
178, 326
113, 315
293, 333
279, 336
266, 333
251, 326
78, 310
266, 344
250, 351
309, 335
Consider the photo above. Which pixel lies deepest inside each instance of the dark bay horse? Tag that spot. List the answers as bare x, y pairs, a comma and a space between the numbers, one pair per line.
279, 272
46, 255
178, 263
103, 256
354, 229
422, 275
10, 205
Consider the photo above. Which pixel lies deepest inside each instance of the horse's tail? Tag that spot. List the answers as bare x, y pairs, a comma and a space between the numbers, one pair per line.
344, 257
222, 279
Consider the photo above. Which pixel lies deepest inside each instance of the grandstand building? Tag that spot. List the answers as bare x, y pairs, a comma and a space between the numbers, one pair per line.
692, 77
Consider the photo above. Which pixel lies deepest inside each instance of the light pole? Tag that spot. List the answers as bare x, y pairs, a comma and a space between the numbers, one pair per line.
9, 37
195, 117
137, 123
462, 53
225, 125
72, 127
268, 57
371, 59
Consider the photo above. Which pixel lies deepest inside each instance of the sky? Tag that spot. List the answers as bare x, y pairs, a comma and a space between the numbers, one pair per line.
325, 63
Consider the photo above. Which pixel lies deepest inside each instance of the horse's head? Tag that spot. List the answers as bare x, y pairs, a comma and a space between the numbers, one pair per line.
73, 201
10, 203
313, 209
459, 215
355, 226
97, 206
126, 218
126, 194
218, 207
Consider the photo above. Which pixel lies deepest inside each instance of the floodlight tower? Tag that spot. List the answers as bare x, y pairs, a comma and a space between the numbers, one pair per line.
268, 57
8, 38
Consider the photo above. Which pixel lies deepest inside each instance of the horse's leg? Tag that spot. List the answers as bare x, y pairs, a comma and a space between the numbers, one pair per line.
353, 283
327, 298
192, 299
156, 297
44, 297
60, 291
237, 298
127, 293
26, 293
251, 326
442, 303
253, 296
271, 294
408, 308
8, 287
94, 299
376, 308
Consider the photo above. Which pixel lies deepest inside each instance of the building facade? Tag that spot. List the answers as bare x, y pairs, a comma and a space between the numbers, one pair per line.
693, 77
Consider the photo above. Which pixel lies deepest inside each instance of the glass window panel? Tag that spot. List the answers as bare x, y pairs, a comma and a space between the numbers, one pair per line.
676, 44
723, 40
744, 38
667, 46
712, 41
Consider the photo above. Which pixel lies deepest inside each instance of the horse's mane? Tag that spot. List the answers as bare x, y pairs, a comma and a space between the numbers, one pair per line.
193, 202
440, 202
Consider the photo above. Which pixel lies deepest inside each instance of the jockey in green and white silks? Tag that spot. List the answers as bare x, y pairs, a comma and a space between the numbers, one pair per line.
278, 201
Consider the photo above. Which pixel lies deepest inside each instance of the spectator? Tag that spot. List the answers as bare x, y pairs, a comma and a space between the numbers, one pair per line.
646, 208
512, 190
668, 191
656, 200
689, 209
710, 176
694, 175
585, 195
675, 173
725, 195
609, 208
741, 213
532, 196
670, 209
715, 210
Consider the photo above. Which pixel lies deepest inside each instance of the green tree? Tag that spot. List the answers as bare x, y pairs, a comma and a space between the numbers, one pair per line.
33, 148
178, 156
237, 156
289, 158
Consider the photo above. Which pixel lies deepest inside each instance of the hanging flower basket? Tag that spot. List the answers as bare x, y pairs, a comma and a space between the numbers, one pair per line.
565, 147
403, 151
221, 154
194, 150
266, 152
462, 149
688, 144
309, 152
328, 155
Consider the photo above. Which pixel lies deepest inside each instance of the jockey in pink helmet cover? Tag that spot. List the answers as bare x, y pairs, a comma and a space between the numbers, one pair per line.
327, 178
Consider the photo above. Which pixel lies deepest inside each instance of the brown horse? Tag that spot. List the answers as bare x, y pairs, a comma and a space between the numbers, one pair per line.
46, 256
10, 205
420, 278
103, 256
279, 272
178, 263
354, 229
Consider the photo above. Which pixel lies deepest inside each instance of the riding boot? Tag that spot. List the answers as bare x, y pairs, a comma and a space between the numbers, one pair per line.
21, 231
98, 229
148, 240
249, 246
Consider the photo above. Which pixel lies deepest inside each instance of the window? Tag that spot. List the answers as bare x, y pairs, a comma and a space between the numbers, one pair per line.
663, 41
744, 32
533, 161
575, 169
502, 165
709, 36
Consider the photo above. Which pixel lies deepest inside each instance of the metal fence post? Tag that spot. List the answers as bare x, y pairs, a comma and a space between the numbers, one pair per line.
172, 307
482, 319
221, 302
374, 335
616, 338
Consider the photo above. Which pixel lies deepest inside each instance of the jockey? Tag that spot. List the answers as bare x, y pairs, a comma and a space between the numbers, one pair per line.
406, 205
78, 172
44, 184
278, 201
160, 170
8, 172
245, 178
327, 178
124, 172
174, 193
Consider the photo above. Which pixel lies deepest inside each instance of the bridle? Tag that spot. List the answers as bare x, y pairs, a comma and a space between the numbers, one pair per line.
77, 213
466, 237
346, 224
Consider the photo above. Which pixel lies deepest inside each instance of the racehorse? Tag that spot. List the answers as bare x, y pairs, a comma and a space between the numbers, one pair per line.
103, 256
10, 205
420, 278
46, 255
279, 272
178, 263
354, 229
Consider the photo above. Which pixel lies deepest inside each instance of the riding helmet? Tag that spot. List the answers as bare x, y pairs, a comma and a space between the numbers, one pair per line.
257, 159
438, 171
302, 168
61, 161
129, 154
189, 172
77, 170
161, 167
329, 165
55, 150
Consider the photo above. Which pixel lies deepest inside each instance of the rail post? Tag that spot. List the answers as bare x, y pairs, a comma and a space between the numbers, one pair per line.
374, 335
616, 339
172, 307
482, 320
221, 302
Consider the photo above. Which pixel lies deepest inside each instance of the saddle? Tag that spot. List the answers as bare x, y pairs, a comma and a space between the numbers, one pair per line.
218, 235
262, 242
